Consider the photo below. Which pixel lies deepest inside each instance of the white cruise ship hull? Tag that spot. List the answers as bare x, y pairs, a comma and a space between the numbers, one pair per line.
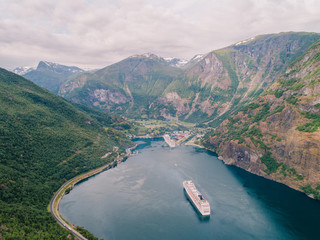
196, 198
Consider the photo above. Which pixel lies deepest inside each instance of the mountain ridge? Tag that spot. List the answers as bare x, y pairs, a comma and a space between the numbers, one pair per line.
207, 90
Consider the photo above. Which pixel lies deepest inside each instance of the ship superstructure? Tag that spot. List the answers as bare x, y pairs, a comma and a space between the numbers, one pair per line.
196, 198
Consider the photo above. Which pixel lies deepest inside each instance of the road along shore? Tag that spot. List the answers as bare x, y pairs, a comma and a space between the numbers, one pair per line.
54, 203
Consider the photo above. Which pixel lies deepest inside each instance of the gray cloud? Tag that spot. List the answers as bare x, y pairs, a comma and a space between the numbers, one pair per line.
96, 33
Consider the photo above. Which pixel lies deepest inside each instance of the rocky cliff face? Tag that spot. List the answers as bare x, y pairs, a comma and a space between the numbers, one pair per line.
208, 88
277, 135
237, 74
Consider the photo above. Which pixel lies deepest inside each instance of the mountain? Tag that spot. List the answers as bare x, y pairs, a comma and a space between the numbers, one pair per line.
206, 89
44, 141
22, 70
49, 75
277, 135
129, 87
225, 79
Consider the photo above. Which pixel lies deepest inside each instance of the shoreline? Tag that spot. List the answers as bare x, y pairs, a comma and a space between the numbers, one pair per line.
260, 175
196, 145
53, 207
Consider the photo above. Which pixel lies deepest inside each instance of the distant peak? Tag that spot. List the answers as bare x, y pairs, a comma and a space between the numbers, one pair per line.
150, 55
171, 61
146, 55
58, 67
176, 62
47, 64
22, 70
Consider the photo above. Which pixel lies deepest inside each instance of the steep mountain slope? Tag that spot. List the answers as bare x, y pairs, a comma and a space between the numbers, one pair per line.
44, 140
206, 89
129, 87
50, 75
278, 135
225, 79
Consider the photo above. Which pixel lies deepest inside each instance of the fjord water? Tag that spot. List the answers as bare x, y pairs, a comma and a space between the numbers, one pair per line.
143, 198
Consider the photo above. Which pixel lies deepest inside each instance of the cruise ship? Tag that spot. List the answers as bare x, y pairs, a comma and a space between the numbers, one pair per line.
196, 198
169, 141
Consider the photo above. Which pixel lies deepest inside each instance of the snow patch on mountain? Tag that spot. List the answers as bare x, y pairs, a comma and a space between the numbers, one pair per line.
245, 41
171, 61
58, 68
146, 55
197, 57
22, 70
176, 62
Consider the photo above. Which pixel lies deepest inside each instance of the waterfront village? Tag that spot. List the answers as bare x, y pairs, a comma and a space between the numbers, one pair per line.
176, 138
174, 132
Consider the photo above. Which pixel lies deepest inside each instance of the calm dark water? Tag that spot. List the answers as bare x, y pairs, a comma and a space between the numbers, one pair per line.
143, 198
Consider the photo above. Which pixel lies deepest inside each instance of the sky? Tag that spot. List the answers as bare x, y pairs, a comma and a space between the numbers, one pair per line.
96, 33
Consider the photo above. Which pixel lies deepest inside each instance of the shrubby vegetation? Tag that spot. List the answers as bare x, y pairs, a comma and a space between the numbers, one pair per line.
240, 128
287, 171
262, 114
271, 164
256, 112
310, 126
86, 233
292, 99
250, 106
44, 141
309, 190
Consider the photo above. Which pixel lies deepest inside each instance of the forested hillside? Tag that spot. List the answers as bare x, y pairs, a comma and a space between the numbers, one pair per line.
44, 141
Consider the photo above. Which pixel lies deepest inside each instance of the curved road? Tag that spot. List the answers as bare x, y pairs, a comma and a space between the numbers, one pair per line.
54, 203
57, 216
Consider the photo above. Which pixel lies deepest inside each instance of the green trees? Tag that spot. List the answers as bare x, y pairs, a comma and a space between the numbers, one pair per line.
271, 164
44, 140
311, 126
86, 233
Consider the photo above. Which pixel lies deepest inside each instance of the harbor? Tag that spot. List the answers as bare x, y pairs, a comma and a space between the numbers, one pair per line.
176, 138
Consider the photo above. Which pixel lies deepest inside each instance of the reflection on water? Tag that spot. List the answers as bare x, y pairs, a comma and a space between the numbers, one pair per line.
142, 199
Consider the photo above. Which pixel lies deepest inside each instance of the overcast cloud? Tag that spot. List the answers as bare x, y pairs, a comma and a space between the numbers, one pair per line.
96, 33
